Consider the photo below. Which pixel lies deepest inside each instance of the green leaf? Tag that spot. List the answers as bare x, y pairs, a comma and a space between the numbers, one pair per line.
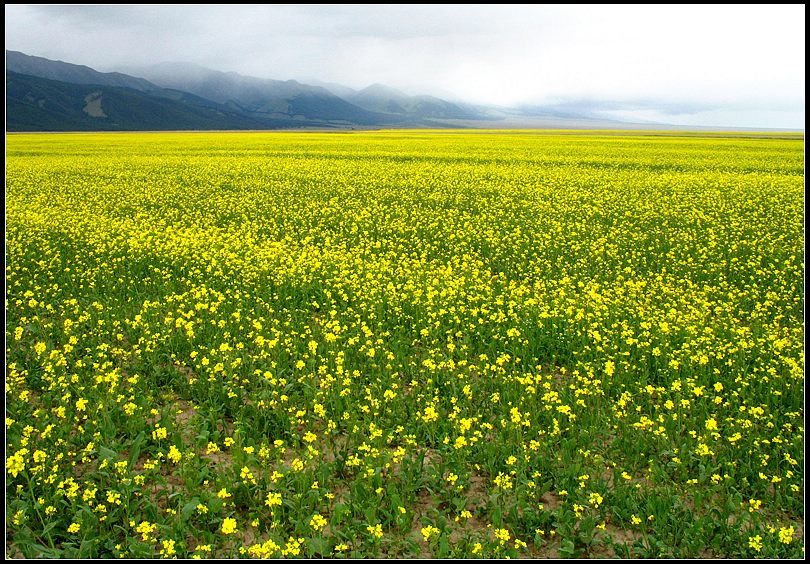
444, 547
188, 509
107, 453
135, 452
567, 548
371, 514
319, 547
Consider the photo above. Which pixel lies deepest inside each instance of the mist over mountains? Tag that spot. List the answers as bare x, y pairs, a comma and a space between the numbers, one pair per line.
48, 95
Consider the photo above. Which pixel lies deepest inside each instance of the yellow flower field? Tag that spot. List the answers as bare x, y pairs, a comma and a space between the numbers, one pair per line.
404, 344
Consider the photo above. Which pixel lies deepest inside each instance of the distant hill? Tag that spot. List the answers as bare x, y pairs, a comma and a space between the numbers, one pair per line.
384, 99
40, 104
257, 97
76, 74
338, 90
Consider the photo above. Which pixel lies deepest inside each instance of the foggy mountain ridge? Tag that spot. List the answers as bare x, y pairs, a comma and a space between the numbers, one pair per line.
68, 72
260, 97
380, 103
382, 98
246, 102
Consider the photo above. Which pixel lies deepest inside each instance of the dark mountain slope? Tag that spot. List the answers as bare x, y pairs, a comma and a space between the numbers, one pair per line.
40, 104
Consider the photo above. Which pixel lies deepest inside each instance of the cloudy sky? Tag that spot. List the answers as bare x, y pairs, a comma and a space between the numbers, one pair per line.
686, 65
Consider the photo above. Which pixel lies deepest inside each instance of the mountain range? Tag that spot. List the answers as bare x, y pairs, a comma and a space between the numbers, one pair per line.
48, 95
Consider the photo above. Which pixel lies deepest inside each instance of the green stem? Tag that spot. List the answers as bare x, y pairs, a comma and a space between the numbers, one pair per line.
37, 511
